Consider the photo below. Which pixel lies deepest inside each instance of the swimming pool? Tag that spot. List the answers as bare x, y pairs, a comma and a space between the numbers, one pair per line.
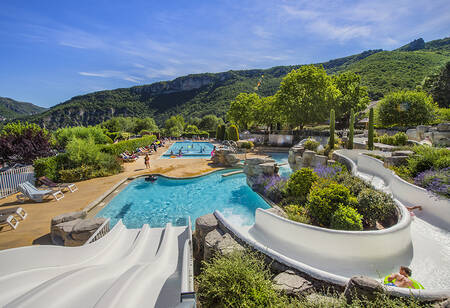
172, 200
189, 149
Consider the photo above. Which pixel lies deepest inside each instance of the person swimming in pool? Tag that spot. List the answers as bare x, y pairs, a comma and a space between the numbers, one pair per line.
401, 279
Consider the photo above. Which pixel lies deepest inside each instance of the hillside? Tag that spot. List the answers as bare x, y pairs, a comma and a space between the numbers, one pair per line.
11, 109
201, 94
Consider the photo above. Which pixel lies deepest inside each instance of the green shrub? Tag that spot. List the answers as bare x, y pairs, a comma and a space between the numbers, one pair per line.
346, 218
354, 184
400, 139
297, 213
128, 145
325, 198
47, 166
300, 182
113, 136
77, 174
64, 135
311, 144
247, 145
221, 132
407, 108
375, 206
239, 279
427, 158
443, 114
232, 133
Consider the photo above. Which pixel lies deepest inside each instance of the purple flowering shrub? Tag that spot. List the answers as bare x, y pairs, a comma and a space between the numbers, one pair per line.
272, 187
328, 172
436, 181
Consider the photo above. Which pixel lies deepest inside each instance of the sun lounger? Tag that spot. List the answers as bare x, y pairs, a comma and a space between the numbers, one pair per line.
10, 220
28, 190
14, 210
49, 183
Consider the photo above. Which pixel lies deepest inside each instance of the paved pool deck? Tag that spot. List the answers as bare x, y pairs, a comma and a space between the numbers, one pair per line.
34, 230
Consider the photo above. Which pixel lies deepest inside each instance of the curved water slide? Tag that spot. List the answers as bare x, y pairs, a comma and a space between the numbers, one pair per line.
423, 242
132, 266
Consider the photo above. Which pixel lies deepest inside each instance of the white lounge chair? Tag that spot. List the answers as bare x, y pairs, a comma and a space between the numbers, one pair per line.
14, 210
10, 220
28, 190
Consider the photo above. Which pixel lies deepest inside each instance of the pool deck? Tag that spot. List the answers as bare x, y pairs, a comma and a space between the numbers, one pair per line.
34, 230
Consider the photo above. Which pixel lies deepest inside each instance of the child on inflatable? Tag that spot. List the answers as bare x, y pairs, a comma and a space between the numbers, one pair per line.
402, 279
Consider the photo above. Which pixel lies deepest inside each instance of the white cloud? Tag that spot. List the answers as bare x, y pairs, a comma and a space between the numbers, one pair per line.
112, 74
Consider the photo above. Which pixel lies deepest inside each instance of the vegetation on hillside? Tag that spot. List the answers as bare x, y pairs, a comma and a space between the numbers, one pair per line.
381, 71
11, 109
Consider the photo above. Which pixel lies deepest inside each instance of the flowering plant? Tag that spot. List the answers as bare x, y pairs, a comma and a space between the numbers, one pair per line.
436, 181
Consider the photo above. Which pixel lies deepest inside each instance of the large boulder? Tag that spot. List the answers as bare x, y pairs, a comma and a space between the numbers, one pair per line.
361, 286
227, 244
68, 217
412, 134
203, 225
210, 242
83, 230
74, 232
291, 284
443, 127
60, 233
395, 161
225, 157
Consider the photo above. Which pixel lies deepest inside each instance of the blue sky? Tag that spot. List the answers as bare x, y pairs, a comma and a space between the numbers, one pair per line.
53, 50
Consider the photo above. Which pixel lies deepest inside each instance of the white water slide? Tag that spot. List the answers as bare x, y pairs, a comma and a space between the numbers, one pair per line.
422, 243
147, 267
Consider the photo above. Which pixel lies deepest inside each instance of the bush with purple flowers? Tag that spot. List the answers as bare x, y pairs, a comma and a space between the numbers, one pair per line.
272, 187
328, 172
436, 181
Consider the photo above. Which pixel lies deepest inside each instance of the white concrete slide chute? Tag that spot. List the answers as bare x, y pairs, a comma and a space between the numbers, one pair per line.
80, 281
138, 268
435, 209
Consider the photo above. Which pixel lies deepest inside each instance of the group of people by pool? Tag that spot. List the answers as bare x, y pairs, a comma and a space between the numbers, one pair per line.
201, 151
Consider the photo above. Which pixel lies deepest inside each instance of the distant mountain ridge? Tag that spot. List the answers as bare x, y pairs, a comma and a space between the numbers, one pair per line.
210, 93
11, 109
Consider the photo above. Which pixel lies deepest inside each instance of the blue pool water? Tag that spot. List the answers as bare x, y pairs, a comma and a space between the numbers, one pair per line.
282, 158
189, 149
170, 200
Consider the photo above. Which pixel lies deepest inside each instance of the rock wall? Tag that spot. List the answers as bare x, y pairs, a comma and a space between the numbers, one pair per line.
439, 134
225, 157
300, 158
72, 229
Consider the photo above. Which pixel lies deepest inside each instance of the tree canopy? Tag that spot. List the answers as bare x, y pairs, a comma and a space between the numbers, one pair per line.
408, 108
438, 85
241, 109
174, 126
353, 95
306, 96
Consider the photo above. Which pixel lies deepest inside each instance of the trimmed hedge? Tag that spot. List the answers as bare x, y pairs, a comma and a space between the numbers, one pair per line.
128, 145
232, 133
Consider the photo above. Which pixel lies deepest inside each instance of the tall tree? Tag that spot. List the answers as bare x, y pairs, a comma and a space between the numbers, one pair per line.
438, 85
240, 111
265, 111
371, 131
306, 95
352, 130
174, 126
209, 122
332, 122
353, 96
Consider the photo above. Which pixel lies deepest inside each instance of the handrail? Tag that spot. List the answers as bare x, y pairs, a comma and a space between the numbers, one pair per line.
187, 275
101, 232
